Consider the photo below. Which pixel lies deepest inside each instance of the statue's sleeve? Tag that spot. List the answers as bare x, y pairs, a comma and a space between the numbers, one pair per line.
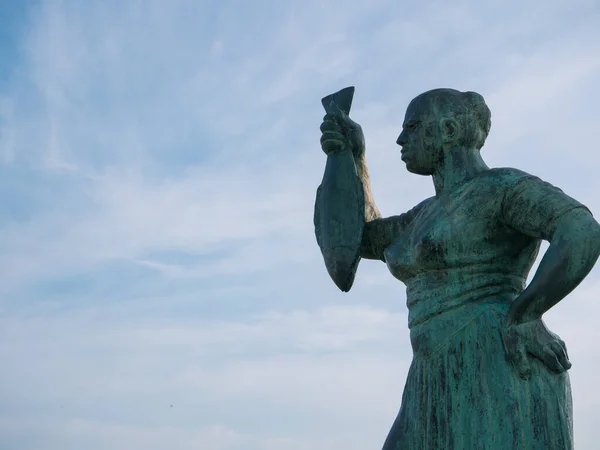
380, 233
534, 207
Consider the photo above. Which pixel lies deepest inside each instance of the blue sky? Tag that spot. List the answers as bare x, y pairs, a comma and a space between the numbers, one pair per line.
161, 285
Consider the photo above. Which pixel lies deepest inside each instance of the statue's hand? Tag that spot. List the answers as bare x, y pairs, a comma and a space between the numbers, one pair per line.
535, 339
340, 132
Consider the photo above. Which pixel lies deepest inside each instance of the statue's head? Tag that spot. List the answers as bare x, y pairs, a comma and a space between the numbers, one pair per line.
439, 120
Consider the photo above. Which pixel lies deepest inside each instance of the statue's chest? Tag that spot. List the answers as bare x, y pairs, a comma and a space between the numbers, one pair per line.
446, 233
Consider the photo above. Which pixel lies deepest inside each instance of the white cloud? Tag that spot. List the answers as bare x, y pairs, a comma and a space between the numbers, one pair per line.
81, 433
276, 363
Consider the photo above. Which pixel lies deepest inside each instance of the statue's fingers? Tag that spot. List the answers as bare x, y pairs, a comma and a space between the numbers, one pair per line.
338, 116
330, 145
564, 347
517, 354
561, 353
548, 357
345, 121
522, 362
332, 136
330, 125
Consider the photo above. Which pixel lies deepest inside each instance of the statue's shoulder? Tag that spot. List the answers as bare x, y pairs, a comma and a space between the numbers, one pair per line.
506, 177
495, 184
423, 204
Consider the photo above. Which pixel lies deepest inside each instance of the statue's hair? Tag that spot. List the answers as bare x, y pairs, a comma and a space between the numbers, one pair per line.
468, 108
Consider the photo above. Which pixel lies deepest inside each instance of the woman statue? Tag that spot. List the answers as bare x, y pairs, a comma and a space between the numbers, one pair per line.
486, 371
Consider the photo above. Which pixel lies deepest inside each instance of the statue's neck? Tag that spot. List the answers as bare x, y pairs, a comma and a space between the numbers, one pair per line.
458, 166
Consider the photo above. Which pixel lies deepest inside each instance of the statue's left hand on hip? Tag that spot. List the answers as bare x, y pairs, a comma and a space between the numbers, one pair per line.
533, 338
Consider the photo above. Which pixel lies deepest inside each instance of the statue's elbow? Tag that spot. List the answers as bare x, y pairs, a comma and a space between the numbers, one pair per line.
594, 240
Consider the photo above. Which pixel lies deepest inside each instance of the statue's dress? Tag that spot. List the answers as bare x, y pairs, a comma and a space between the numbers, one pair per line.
464, 257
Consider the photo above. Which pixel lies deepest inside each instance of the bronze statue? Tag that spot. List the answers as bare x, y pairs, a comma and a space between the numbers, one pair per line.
486, 371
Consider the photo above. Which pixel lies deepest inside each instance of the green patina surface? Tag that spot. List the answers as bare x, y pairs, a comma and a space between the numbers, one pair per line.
486, 371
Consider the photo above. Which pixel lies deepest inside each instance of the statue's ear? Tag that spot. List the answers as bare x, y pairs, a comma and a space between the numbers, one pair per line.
451, 130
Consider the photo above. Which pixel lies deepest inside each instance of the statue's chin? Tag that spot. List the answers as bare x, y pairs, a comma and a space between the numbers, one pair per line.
416, 170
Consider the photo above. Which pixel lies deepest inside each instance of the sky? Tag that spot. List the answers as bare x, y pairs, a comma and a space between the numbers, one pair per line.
161, 286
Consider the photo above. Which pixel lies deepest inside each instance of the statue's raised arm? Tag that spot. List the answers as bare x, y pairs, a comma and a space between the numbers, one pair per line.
348, 224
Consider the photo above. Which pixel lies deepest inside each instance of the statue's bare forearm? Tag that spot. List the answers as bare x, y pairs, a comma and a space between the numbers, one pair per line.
571, 255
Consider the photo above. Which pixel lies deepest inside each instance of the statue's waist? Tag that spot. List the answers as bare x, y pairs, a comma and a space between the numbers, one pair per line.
434, 293
440, 304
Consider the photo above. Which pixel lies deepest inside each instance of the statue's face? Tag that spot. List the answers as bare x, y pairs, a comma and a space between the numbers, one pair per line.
420, 138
